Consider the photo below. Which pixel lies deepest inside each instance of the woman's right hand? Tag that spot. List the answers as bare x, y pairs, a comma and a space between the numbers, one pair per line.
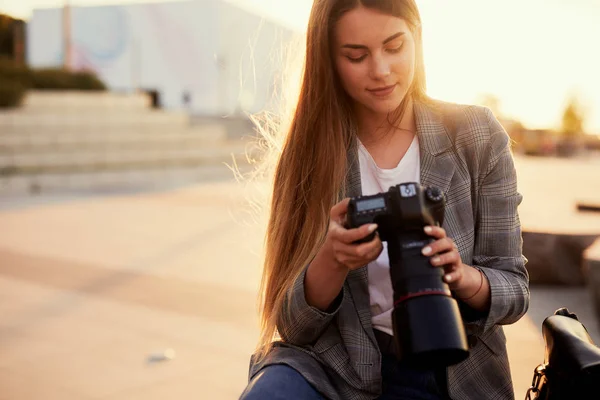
339, 240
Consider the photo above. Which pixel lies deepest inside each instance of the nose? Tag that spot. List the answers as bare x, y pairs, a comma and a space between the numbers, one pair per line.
380, 67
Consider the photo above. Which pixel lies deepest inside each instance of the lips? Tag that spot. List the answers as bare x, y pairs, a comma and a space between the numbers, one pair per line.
382, 91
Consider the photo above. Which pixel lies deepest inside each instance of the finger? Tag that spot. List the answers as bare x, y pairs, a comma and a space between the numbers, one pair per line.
338, 231
453, 276
367, 250
339, 210
373, 247
435, 231
349, 236
352, 251
357, 252
438, 246
363, 254
342, 249
376, 252
354, 256
450, 258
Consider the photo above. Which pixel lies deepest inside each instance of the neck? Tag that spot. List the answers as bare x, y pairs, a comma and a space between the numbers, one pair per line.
374, 128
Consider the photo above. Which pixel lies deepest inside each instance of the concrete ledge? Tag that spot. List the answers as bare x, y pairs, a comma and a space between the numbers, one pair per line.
591, 265
41, 122
52, 142
116, 159
79, 100
95, 182
556, 258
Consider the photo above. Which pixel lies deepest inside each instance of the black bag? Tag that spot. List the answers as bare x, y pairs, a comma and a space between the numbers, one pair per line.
571, 369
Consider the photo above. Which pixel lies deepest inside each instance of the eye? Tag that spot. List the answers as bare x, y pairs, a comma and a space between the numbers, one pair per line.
396, 49
356, 59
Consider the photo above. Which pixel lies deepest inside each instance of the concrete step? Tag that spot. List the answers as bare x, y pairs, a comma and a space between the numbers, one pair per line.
591, 267
83, 140
19, 189
116, 159
76, 101
16, 122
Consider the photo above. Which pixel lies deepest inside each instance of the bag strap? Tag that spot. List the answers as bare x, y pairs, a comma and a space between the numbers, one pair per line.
537, 384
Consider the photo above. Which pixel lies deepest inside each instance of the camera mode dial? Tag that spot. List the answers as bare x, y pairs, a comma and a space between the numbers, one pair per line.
434, 194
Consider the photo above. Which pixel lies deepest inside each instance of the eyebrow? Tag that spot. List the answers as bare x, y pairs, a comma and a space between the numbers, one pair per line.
360, 46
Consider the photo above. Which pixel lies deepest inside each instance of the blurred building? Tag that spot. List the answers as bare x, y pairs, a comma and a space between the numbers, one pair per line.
208, 56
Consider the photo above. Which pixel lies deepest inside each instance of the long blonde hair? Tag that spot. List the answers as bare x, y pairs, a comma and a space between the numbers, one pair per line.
310, 173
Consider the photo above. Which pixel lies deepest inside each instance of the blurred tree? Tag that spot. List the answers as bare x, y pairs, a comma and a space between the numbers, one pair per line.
573, 119
5, 35
12, 38
492, 102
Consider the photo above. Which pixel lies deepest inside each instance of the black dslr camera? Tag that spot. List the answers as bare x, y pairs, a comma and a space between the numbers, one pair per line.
428, 328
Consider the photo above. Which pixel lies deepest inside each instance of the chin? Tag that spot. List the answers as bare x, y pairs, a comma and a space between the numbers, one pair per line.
384, 107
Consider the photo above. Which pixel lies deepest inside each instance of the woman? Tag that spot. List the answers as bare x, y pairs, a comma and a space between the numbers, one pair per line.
363, 123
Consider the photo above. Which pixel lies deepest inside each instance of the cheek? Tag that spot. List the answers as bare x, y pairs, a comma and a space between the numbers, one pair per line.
404, 67
351, 76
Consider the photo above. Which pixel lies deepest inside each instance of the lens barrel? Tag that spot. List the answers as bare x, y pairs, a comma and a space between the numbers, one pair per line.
427, 324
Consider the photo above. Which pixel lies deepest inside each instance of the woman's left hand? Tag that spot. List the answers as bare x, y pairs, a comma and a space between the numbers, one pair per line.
444, 253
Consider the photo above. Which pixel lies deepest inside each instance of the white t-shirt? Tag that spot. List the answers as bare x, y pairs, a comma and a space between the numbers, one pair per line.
376, 180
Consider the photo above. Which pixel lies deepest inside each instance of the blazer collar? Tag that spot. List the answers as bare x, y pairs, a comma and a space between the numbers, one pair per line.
431, 130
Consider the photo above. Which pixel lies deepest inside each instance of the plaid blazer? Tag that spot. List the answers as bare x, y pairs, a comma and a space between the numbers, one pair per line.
465, 152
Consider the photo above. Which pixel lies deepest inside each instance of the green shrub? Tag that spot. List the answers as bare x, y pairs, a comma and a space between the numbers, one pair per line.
16, 79
11, 71
88, 81
11, 93
50, 78
60, 79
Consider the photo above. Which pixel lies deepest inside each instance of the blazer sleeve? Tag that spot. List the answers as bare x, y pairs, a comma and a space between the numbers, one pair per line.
498, 241
299, 323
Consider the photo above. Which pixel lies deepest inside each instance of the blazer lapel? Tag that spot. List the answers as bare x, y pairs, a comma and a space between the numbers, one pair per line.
437, 164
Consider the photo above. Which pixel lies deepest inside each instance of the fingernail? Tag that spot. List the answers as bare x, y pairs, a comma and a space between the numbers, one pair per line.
448, 277
435, 260
428, 229
372, 227
426, 250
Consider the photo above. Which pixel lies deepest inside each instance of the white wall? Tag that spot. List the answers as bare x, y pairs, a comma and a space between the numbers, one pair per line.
249, 51
214, 50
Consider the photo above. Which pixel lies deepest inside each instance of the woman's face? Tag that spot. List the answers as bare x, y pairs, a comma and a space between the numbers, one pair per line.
374, 55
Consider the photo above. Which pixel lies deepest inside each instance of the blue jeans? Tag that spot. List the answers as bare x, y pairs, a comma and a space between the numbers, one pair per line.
280, 382
403, 383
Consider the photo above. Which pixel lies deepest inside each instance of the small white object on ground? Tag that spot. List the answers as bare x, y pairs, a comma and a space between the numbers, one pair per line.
165, 355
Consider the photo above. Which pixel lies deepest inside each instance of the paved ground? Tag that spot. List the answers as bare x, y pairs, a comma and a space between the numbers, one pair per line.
92, 288
551, 187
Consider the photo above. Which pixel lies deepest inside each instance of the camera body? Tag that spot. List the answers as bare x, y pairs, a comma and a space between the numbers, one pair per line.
428, 328
407, 206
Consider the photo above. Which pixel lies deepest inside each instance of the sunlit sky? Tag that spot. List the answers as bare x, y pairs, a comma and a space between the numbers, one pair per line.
531, 54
